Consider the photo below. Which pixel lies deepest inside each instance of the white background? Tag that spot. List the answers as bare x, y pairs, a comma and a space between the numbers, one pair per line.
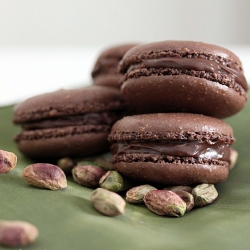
51, 44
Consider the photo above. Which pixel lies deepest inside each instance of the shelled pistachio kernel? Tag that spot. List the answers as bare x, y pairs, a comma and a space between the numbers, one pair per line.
105, 164
107, 202
103, 161
136, 194
8, 161
165, 202
204, 194
87, 175
17, 233
45, 175
179, 188
187, 197
66, 164
233, 158
112, 181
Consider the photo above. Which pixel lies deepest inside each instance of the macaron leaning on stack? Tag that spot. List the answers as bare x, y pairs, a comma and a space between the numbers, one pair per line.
183, 87
105, 72
67, 122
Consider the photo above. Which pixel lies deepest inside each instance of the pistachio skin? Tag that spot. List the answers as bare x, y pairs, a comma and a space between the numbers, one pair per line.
204, 194
103, 161
87, 175
66, 164
180, 188
112, 181
233, 158
187, 197
136, 194
45, 175
8, 161
107, 202
165, 202
17, 233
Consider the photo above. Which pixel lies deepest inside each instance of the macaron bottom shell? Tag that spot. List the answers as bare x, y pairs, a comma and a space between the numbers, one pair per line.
181, 93
108, 80
77, 145
173, 173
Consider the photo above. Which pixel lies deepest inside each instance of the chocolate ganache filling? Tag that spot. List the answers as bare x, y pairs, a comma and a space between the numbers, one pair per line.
101, 118
197, 64
178, 148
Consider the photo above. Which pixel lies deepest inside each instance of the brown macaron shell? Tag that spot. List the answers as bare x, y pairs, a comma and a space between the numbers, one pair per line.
65, 102
183, 76
105, 72
150, 167
67, 122
64, 142
108, 80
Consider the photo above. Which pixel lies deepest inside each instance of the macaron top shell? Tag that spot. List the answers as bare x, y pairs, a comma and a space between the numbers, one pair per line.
117, 51
183, 48
183, 76
68, 102
224, 58
108, 60
165, 126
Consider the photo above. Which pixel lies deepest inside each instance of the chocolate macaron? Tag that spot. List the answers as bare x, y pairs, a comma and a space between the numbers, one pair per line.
172, 148
183, 76
105, 71
67, 122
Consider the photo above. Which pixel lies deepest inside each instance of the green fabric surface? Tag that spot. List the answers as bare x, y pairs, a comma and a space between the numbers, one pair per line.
66, 219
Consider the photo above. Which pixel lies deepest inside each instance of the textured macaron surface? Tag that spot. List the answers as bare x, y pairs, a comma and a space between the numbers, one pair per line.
108, 60
172, 148
210, 61
105, 70
198, 72
67, 122
180, 135
66, 102
165, 126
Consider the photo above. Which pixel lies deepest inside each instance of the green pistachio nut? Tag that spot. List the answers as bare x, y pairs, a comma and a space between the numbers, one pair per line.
165, 202
103, 161
14, 233
233, 158
136, 194
112, 181
204, 194
8, 161
87, 175
45, 175
66, 164
107, 202
180, 188
187, 197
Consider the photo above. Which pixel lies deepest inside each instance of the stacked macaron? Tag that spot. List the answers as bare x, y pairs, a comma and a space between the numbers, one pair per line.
177, 91
181, 76
74, 122
105, 72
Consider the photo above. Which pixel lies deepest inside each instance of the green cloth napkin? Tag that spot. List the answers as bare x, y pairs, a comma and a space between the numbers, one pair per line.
67, 220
